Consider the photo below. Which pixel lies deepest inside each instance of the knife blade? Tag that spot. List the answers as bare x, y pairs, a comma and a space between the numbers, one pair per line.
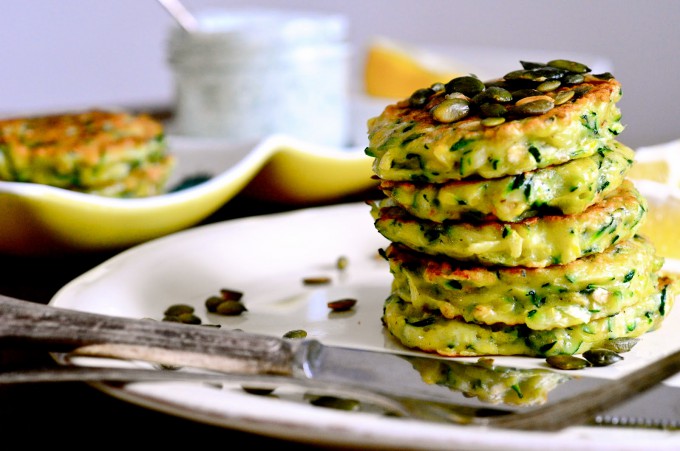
402, 376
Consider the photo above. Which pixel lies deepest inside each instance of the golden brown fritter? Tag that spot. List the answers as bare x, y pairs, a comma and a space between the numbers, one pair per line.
589, 288
431, 332
93, 151
567, 188
534, 242
408, 144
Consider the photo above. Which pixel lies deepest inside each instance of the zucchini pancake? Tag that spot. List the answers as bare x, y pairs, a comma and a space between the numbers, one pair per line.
112, 154
512, 223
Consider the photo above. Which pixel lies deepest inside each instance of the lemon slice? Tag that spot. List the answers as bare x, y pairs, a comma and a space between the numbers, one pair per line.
656, 173
394, 70
663, 216
658, 164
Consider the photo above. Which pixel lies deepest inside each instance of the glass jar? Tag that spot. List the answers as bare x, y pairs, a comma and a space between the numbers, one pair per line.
248, 74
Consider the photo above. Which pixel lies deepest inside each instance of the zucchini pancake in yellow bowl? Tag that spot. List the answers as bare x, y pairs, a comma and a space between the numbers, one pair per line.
513, 227
113, 154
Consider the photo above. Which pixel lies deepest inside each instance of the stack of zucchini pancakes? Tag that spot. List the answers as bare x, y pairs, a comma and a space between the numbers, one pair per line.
512, 225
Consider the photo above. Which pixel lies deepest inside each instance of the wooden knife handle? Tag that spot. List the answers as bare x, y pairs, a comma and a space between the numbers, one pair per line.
24, 323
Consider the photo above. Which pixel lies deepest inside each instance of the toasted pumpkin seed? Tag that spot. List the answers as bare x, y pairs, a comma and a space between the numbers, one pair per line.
548, 86
231, 308
468, 85
230, 295
493, 94
436, 87
492, 121
526, 100
189, 318
538, 74
621, 344
531, 65
602, 357
212, 302
580, 91
297, 333
336, 403
451, 110
534, 107
527, 92
420, 97
457, 95
342, 262
571, 66
567, 362
258, 391
321, 280
573, 79
493, 110
563, 97
604, 76
341, 305
178, 309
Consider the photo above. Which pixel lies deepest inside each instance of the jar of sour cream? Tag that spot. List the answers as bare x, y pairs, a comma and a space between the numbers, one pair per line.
248, 74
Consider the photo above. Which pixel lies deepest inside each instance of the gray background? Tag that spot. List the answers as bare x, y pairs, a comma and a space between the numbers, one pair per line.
75, 53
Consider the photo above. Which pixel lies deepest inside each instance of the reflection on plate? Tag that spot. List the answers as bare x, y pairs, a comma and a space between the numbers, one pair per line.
39, 219
490, 383
267, 258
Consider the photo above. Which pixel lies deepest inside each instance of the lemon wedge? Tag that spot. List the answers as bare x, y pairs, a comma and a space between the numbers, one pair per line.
663, 217
656, 173
658, 163
394, 69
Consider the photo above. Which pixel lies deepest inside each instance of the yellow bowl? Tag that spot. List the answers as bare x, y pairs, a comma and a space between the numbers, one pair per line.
39, 220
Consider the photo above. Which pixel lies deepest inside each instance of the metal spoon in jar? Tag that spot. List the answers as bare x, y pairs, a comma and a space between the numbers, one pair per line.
183, 17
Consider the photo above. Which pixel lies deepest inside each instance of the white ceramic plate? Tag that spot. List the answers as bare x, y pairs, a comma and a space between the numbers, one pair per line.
267, 258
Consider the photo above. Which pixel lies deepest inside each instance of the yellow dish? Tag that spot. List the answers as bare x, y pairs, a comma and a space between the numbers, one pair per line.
40, 220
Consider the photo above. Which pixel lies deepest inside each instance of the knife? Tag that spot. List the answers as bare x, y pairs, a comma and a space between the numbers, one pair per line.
400, 377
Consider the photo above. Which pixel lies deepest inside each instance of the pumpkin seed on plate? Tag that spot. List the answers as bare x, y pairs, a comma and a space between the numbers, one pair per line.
231, 308
621, 344
297, 333
567, 362
336, 403
320, 280
178, 309
341, 305
342, 262
602, 357
230, 295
